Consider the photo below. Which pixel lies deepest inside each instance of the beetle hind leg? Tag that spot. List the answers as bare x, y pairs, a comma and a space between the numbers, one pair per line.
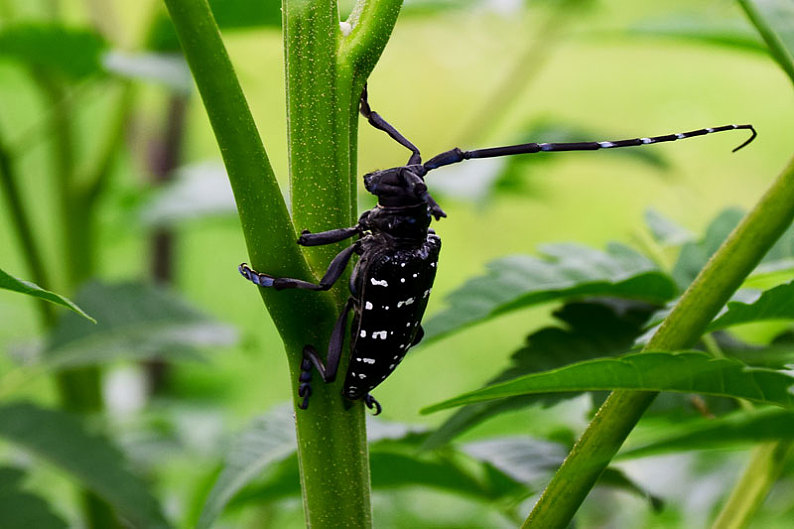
371, 403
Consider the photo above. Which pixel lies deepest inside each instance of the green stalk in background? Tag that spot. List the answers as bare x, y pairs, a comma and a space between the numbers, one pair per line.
327, 64
707, 294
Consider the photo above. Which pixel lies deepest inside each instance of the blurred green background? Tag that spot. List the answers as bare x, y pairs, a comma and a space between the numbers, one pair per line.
591, 65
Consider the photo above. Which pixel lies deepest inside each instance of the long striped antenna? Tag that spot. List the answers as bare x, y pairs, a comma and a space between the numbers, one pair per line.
457, 155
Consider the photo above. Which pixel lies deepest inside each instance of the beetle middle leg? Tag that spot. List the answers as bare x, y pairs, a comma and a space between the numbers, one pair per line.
333, 273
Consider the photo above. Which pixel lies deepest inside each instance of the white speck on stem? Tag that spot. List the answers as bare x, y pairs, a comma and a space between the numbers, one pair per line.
345, 28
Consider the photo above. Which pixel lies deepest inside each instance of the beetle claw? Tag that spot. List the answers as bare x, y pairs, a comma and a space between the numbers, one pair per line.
371, 403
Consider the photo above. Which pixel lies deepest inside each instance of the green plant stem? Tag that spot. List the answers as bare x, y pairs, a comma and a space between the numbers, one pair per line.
332, 441
765, 466
20, 219
707, 294
79, 389
776, 46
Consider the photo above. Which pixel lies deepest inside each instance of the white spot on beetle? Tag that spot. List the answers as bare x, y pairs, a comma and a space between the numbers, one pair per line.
363, 333
385, 307
402, 265
366, 360
391, 366
416, 275
378, 282
379, 334
362, 376
368, 306
433, 264
402, 280
408, 324
427, 292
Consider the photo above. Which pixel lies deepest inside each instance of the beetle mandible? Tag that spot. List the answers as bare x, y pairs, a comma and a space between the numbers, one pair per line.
398, 255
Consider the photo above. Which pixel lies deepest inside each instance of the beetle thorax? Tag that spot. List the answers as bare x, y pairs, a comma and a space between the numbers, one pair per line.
406, 222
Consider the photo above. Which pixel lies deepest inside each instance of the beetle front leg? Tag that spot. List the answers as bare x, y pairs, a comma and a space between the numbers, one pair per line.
308, 238
333, 273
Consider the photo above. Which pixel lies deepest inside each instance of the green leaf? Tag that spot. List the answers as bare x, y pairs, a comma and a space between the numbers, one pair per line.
396, 463
20, 509
590, 329
9, 282
71, 51
683, 372
665, 231
268, 440
136, 321
749, 306
737, 429
567, 271
694, 254
63, 440
774, 20
729, 33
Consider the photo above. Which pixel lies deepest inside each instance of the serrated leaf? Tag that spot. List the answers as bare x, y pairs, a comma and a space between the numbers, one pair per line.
737, 429
567, 271
533, 461
268, 440
694, 254
683, 372
749, 306
63, 440
136, 321
777, 262
20, 509
396, 463
10, 282
665, 231
71, 51
591, 329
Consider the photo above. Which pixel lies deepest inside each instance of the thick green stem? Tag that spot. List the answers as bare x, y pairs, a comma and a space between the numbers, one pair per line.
708, 293
325, 74
766, 463
321, 109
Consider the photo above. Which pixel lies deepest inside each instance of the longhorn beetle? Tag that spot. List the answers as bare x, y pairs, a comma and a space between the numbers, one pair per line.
398, 253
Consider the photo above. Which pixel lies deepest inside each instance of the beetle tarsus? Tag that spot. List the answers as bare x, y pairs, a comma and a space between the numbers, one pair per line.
371, 403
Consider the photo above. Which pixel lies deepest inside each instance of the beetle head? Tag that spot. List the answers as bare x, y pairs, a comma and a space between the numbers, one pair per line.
401, 187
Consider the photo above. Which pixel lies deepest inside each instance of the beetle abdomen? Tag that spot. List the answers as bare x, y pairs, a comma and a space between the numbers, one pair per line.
394, 285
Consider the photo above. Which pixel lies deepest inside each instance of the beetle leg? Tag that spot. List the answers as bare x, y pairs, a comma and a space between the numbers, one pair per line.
420, 333
308, 238
371, 403
419, 188
381, 124
333, 273
328, 369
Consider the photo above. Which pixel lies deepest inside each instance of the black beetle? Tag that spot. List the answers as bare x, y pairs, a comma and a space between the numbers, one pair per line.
398, 256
